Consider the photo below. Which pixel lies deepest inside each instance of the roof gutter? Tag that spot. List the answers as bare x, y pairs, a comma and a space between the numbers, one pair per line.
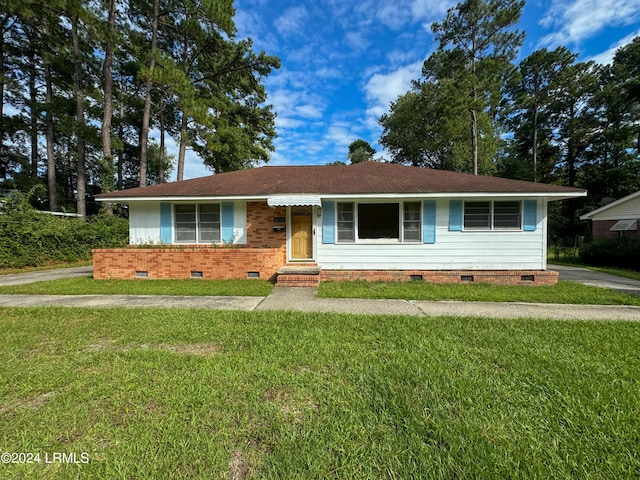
278, 199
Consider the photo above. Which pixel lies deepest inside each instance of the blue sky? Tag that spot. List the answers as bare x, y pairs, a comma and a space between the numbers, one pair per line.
344, 61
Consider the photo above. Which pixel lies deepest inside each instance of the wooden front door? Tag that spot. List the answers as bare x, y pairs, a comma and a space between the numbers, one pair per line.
301, 233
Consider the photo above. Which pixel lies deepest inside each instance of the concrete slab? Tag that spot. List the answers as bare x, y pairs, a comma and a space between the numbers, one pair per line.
528, 310
305, 300
597, 279
45, 275
110, 301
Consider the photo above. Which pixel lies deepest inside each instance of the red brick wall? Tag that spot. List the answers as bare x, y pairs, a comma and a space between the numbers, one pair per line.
500, 277
260, 225
264, 253
601, 230
215, 263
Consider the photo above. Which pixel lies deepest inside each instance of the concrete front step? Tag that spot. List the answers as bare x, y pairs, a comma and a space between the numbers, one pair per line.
307, 275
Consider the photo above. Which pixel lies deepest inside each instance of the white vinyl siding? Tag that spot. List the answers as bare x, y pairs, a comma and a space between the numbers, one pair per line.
625, 210
474, 250
144, 223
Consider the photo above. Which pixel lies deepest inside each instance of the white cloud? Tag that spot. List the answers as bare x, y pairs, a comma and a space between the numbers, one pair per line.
581, 19
400, 13
292, 21
606, 57
382, 89
357, 41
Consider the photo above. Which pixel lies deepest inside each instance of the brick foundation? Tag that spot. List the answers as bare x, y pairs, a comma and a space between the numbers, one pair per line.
215, 263
499, 277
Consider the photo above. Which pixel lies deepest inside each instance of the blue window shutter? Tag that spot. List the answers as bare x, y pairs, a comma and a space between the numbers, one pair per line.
455, 215
166, 234
429, 221
226, 222
530, 215
328, 222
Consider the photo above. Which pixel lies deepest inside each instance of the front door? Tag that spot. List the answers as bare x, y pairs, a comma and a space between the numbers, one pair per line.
301, 233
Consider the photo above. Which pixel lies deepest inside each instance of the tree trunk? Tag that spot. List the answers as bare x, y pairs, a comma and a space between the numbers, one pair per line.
183, 146
121, 150
474, 141
146, 115
107, 180
474, 114
161, 152
51, 162
2, 80
81, 204
535, 143
33, 113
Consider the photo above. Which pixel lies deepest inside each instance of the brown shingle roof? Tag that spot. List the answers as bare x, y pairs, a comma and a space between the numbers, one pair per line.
361, 178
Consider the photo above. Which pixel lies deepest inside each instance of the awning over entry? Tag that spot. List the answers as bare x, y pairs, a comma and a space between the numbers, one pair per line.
294, 200
624, 226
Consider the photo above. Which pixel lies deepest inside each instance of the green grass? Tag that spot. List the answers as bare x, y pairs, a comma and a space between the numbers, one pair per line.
195, 394
89, 286
563, 292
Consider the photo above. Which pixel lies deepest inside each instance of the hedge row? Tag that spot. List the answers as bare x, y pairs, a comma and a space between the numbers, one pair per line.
32, 238
619, 252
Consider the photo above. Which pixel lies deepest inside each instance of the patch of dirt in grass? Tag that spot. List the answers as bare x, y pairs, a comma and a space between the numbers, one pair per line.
100, 344
238, 466
294, 408
191, 348
304, 369
31, 403
246, 460
204, 349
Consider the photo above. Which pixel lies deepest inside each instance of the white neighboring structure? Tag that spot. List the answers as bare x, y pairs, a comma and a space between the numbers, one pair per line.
616, 219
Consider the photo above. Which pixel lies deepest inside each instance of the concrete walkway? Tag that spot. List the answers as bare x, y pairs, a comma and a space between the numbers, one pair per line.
305, 300
597, 279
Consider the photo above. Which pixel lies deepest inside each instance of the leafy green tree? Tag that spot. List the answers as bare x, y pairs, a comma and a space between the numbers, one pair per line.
530, 97
481, 34
360, 151
573, 118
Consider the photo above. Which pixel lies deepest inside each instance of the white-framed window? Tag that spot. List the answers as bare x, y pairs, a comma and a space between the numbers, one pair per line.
197, 223
379, 222
493, 215
412, 225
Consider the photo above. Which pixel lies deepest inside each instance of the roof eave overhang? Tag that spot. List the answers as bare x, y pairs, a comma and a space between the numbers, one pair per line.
550, 196
182, 198
592, 213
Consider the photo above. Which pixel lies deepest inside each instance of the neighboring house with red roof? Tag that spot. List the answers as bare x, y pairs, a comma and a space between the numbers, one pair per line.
369, 221
616, 219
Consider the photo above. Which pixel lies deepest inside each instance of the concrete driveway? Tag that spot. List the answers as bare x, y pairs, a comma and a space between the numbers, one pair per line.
44, 275
596, 279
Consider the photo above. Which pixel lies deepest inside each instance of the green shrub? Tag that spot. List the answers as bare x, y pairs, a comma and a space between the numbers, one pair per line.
31, 238
618, 252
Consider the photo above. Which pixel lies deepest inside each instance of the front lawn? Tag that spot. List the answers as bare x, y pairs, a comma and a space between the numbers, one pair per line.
564, 292
195, 394
89, 286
